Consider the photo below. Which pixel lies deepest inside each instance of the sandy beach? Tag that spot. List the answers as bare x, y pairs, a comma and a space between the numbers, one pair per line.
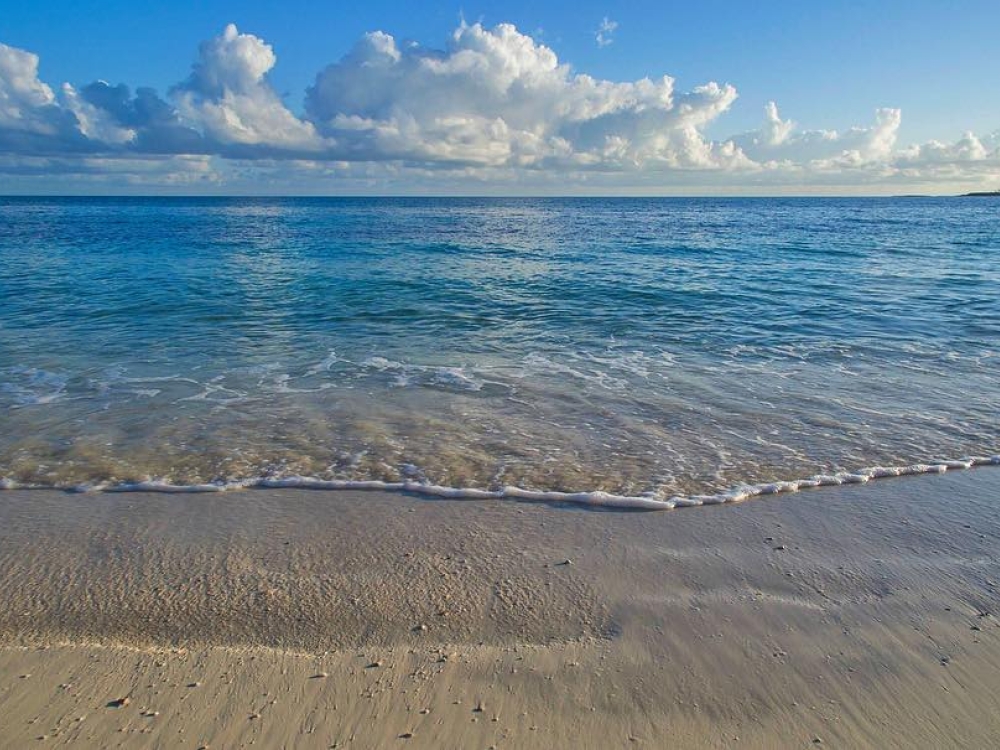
861, 616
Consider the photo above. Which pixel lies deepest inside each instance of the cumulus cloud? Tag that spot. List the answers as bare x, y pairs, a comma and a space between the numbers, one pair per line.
969, 148
24, 99
780, 140
31, 118
227, 95
494, 105
155, 125
495, 97
96, 123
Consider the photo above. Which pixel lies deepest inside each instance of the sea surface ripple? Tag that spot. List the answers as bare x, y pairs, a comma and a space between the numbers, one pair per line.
653, 349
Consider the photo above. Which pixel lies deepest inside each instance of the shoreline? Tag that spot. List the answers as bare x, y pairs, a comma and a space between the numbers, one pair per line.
736, 494
859, 616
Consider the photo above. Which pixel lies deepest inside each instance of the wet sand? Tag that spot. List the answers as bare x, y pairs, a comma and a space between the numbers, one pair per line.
861, 616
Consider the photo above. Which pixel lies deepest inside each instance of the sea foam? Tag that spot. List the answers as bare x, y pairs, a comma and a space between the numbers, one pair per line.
595, 498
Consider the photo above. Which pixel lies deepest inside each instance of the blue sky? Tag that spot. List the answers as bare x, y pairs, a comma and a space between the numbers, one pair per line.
827, 66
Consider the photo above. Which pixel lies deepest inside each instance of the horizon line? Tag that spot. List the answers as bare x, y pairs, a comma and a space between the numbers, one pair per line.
479, 196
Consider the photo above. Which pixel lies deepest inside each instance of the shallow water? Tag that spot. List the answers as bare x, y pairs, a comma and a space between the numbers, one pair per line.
636, 347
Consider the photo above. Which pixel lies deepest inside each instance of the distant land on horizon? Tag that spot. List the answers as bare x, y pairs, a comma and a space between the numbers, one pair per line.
983, 194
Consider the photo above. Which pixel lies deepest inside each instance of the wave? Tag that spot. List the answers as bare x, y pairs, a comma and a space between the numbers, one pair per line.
425, 375
596, 498
30, 386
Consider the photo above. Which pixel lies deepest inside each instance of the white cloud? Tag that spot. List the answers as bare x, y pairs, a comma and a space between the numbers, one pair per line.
31, 118
779, 140
228, 98
969, 148
24, 99
605, 32
496, 97
65, 174
495, 107
96, 123
773, 133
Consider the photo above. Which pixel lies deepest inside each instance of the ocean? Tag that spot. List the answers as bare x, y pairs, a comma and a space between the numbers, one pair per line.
634, 352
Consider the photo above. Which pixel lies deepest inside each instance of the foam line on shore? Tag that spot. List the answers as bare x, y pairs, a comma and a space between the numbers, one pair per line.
597, 498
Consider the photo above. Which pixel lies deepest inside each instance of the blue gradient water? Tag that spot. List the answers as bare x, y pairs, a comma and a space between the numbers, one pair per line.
653, 347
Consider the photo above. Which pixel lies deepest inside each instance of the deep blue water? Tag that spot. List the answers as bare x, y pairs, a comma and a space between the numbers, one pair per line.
631, 345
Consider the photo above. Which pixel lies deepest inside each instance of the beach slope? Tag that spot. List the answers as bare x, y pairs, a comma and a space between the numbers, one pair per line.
862, 616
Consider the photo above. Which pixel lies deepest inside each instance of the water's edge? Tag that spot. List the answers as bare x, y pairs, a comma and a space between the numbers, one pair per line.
736, 494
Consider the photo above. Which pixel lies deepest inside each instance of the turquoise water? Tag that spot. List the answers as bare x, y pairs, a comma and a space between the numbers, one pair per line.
637, 347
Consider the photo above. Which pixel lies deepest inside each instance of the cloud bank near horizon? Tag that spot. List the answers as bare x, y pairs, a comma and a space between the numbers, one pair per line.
493, 107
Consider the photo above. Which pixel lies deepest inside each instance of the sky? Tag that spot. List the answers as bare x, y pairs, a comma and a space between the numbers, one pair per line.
537, 97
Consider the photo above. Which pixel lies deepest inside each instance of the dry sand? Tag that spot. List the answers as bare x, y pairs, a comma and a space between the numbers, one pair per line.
853, 617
